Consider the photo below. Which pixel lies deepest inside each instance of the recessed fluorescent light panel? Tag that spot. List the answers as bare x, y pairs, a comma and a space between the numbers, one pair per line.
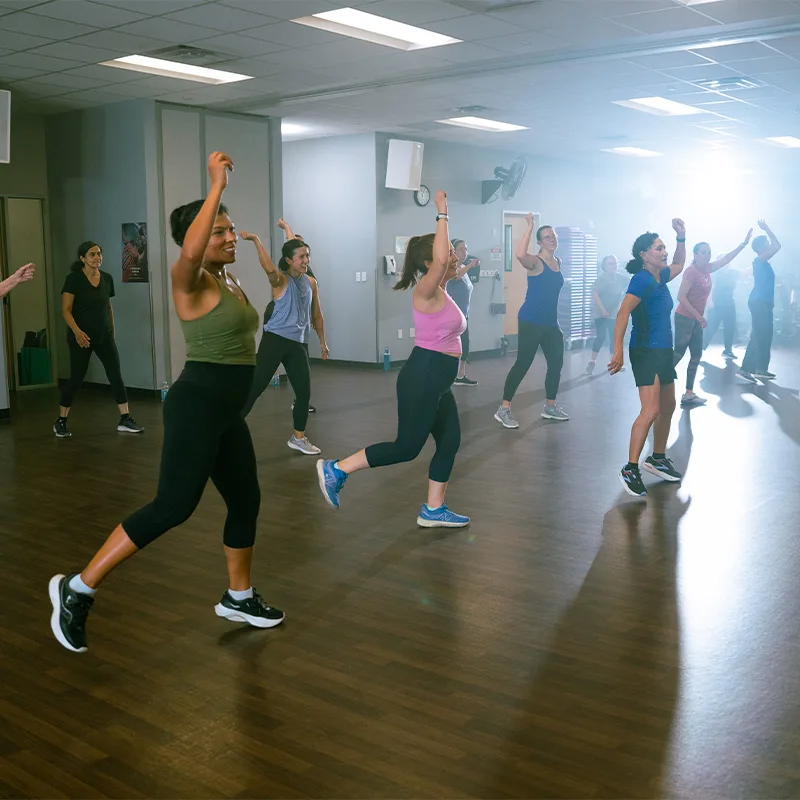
659, 106
784, 141
637, 152
480, 124
375, 29
173, 69
697, 2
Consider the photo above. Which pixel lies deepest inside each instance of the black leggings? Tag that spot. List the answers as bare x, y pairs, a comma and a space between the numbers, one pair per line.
205, 436
688, 333
273, 351
425, 407
724, 315
758, 354
106, 349
604, 327
530, 338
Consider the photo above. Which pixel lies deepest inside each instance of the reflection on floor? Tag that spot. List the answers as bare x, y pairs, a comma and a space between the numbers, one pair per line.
573, 642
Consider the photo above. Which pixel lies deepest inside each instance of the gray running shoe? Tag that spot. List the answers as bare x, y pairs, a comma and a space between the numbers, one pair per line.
303, 446
555, 412
503, 416
689, 400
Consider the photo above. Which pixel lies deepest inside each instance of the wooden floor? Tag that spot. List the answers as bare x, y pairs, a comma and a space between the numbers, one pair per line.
572, 643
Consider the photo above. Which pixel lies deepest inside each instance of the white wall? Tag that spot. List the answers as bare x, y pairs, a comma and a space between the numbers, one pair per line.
188, 135
329, 198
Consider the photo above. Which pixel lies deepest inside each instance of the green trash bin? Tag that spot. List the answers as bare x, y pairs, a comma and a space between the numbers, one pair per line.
34, 366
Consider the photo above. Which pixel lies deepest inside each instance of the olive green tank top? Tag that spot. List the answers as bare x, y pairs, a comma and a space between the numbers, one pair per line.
226, 335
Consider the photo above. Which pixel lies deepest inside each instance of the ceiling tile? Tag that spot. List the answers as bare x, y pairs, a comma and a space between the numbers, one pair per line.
87, 13
9, 73
19, 5
343, 51
122, 44
789, 45
290, 34
284, 9
20, 41
669, 21
73, 81
468, 52
737, 11
37, 88
220, 18
473, 27
75, 52
701, 73
46, 63
679, 58
105, 74
249, 66
234, 44
37, 25
736, 52
761, 66
516, 44
94, 97
133, 89
153, 7
415, 12
167, 30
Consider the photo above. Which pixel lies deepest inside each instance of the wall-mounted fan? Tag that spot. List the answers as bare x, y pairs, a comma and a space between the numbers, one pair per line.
506, 183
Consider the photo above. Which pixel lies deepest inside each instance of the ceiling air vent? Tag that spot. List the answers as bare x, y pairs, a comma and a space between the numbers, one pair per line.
185, 54
729, 84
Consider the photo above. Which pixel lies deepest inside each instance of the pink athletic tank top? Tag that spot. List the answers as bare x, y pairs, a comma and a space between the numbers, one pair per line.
440, 332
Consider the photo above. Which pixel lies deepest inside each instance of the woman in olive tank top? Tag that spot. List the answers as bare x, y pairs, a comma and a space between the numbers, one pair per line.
205, 435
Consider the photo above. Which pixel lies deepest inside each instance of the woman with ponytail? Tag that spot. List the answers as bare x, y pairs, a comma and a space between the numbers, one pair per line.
649, 302
86, 308
426, 405
296, 309
205, 436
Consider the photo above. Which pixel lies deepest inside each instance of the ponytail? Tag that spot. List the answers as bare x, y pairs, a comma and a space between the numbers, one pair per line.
418, 251
642, 244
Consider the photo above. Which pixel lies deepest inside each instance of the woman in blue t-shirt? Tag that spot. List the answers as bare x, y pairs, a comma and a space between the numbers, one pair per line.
649, 302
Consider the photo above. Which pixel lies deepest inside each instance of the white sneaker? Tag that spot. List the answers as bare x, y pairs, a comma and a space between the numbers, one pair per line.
303, 446
692, 400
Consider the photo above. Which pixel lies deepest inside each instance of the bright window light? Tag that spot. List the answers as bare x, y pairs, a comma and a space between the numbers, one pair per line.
637, 152
784, 141
173, 69
372, 28
480, 124
292, 128
660, 106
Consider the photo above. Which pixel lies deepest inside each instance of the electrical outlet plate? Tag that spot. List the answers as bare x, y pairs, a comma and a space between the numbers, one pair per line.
399, 333
411, 333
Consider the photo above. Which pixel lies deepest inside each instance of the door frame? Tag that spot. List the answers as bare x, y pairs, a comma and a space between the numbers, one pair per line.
43, 272
509, 256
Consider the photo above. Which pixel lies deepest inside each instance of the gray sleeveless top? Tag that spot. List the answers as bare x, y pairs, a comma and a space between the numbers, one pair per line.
292, 314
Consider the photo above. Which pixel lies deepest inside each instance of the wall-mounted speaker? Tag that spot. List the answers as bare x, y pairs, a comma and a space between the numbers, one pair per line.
404, 165
5, 126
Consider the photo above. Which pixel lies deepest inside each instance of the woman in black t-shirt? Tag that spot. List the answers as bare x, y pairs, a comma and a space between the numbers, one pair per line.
86, 306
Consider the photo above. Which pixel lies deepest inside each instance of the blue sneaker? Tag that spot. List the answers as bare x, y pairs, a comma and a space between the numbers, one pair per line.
331, 480
440, 518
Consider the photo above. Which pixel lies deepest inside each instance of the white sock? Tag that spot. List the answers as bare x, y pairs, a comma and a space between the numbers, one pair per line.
244, 595
77, 585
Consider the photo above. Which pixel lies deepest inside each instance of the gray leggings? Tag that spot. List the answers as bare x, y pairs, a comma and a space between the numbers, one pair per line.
688, 333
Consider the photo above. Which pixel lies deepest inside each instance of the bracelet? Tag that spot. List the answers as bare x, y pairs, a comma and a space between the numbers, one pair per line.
681, 241
442, 216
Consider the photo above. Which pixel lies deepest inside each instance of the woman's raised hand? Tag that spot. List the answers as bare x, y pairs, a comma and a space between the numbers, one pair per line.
441, 201
247, 236
529, 219
679, 226
218, 166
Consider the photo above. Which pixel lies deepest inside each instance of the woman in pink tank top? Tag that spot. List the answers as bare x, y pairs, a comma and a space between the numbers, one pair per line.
425, 402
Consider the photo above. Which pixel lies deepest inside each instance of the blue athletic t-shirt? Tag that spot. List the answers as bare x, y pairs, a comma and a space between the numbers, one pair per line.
652, 318
763, 282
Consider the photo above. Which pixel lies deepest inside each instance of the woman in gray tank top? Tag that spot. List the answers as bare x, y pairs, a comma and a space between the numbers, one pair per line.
283, 341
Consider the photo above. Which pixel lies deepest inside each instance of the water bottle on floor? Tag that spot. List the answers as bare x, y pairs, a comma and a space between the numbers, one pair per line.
164, 390
387, 359
276, 379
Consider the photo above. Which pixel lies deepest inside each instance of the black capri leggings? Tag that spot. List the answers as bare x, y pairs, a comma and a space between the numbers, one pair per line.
426, 407
530, 338
106, 349
205, 436
273, 351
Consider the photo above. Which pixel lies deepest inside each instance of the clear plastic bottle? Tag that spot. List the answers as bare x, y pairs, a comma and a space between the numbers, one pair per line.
387, 359
276, 379
164, 390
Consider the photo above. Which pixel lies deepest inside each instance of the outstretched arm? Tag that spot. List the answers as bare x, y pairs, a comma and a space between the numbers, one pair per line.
286, 228
523, 256
473, 262
728, 257
276, 277
679, 259
774, 244
187, 269
20, 276
429, 284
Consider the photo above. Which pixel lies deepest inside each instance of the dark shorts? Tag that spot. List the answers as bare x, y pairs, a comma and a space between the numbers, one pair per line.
647, 362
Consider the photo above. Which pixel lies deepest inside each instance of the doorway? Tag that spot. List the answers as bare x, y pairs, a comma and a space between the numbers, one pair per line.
515, 276
28, 330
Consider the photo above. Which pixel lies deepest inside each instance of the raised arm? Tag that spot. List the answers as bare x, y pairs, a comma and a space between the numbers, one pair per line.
286, 228
317, 320
774, 244
629, 302
523, 256
679, 259
429, 284
20, 276
276, 277
728, 257
473, 262
187, 269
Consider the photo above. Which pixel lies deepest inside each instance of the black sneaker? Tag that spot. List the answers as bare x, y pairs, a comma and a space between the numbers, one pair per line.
311, 409
68, 620
746, 376
254, 611
631, 480
765, 375
728, 354
60, 428
465, 381
127, 424
662, 467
